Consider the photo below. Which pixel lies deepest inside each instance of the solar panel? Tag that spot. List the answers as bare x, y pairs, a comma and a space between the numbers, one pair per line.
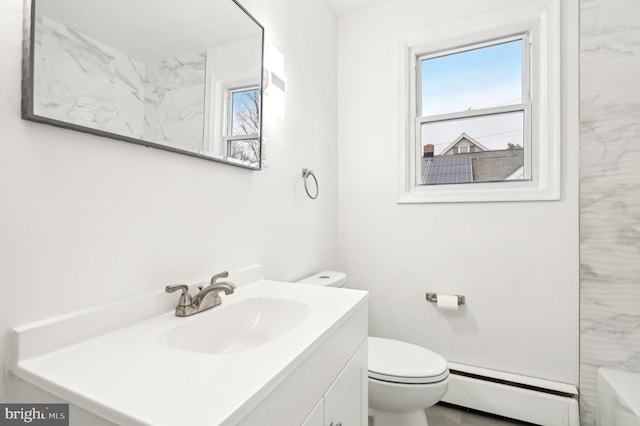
446, 169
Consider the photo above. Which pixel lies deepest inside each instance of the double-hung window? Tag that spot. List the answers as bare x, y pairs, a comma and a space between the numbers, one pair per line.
480, 108
241, 137
474, 113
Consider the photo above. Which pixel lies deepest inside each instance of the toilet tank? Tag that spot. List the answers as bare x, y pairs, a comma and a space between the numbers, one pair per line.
326, 278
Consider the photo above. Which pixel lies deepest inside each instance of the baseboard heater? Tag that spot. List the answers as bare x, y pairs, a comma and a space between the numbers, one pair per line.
537, 401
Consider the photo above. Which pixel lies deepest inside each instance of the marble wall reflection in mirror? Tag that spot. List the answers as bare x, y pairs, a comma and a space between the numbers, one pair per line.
180, 75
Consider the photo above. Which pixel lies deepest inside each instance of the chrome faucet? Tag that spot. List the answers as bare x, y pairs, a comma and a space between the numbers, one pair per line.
206, 298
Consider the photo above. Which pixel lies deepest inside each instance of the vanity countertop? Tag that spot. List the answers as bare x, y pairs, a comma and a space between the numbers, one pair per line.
128, 377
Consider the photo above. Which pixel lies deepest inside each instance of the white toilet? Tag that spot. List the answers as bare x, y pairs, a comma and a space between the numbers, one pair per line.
404, 379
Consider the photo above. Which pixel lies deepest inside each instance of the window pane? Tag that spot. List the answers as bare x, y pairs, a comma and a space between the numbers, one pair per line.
480, 149
245, 151
479, 78
245, 119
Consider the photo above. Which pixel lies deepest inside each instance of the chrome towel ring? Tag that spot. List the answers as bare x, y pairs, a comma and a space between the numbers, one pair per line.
305, 174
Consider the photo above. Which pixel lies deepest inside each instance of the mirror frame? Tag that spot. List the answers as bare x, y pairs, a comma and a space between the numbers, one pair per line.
28, 63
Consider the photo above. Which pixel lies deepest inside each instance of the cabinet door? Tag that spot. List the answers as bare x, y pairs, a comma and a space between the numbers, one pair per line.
343, 400
316, 417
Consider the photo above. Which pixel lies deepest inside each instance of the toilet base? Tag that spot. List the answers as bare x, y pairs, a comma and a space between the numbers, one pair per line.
395, 418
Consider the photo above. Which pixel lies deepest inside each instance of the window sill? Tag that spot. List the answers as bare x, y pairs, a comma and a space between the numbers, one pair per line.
481, 192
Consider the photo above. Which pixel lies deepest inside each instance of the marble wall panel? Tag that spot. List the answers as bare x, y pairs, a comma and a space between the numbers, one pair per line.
609, 192
174, 104
85, 82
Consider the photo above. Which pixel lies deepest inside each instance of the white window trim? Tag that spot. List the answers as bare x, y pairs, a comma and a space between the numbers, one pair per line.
216, 93
543, 25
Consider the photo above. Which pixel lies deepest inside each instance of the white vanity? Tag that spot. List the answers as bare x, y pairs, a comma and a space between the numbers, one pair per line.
272, 353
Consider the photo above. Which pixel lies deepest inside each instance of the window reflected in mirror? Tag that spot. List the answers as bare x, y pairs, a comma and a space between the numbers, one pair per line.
243, 125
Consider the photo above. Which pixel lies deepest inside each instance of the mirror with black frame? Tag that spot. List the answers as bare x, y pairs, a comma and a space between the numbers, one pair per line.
179, 75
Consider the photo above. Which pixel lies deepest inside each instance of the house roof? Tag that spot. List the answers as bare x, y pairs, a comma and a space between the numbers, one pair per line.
463, 135
485, 166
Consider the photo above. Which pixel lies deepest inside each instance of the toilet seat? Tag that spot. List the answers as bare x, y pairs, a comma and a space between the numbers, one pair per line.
401, 362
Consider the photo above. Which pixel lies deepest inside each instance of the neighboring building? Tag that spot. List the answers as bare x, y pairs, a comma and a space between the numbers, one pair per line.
465, 161
463, 144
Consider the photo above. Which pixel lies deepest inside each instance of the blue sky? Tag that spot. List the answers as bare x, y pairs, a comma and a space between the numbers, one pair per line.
474, 79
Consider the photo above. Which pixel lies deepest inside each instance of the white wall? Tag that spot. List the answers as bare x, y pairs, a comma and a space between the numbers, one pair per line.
609, 192
85, 220
516, 262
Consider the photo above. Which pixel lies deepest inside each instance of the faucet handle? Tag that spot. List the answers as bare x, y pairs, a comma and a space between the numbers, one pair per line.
224, 274
185, 297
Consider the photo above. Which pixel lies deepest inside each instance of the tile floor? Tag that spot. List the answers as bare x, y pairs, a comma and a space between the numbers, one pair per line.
451, 415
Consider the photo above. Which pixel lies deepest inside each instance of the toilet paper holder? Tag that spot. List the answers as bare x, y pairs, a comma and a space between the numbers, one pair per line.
433, 298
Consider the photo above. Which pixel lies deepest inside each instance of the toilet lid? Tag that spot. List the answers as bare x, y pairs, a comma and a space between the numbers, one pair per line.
402, 362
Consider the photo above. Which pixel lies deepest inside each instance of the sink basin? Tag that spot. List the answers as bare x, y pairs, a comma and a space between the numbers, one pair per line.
236, 327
